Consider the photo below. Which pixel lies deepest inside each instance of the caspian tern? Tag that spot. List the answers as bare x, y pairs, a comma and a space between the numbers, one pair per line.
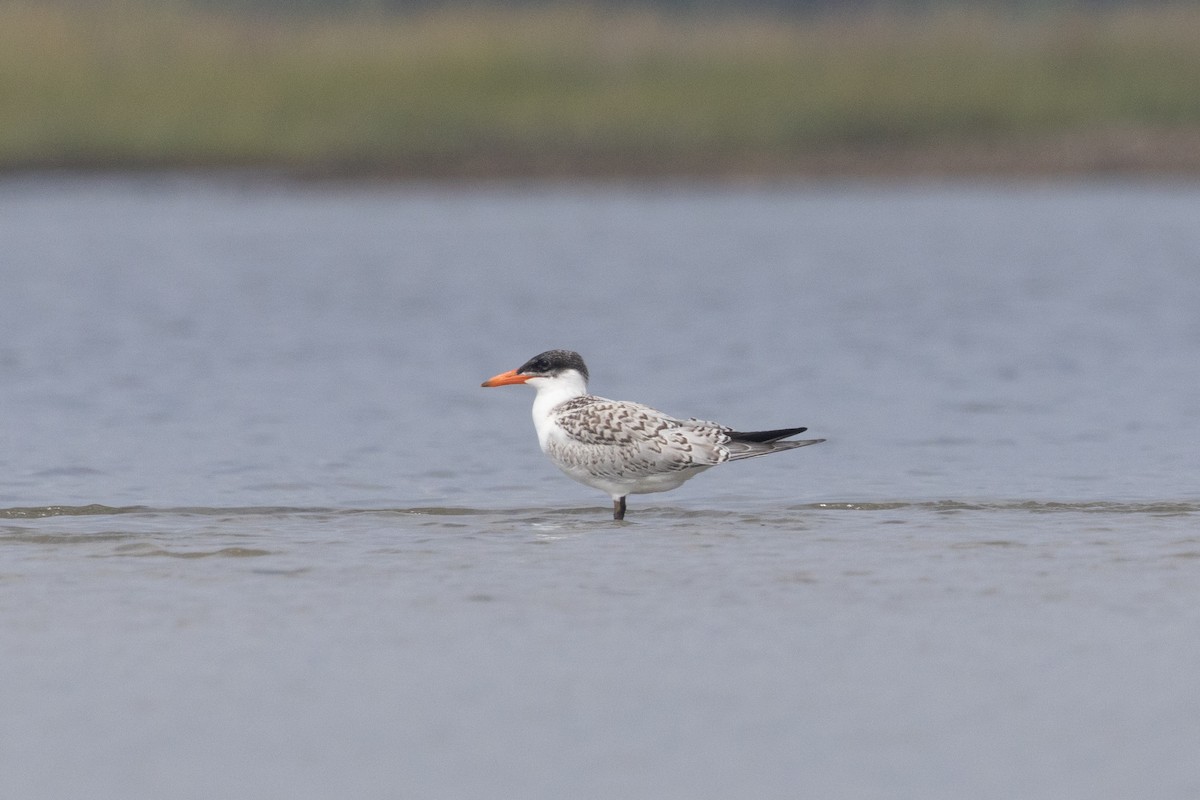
624, 448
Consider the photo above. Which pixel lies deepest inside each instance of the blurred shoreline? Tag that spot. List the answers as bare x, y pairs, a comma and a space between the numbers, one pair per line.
576, 91
1129, 153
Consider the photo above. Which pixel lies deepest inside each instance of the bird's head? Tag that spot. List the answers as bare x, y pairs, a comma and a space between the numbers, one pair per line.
545, 369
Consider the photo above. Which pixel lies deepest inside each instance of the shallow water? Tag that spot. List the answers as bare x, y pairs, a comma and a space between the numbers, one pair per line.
263, 535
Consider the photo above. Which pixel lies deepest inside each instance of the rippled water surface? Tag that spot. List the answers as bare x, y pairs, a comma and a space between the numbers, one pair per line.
263, 535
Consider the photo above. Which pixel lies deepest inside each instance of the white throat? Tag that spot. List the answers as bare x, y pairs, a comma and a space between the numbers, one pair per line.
550, 392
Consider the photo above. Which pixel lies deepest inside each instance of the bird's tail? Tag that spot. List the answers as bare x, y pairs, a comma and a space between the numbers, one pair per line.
748, 444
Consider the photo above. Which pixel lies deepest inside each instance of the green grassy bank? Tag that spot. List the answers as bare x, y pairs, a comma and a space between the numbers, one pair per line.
574, 90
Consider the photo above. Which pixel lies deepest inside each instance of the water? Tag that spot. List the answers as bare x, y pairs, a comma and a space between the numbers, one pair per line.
263, 535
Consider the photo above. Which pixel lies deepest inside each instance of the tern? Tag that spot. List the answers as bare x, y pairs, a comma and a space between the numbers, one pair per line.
625, 448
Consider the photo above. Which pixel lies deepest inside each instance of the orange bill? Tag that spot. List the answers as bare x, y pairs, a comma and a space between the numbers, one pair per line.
506, 378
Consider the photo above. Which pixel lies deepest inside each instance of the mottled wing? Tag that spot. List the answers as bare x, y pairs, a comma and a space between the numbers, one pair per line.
631, 440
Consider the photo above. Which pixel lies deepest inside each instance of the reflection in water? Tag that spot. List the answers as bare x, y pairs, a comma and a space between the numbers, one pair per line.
255, 511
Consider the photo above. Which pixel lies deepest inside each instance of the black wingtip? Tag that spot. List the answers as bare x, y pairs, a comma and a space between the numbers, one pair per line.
765, 437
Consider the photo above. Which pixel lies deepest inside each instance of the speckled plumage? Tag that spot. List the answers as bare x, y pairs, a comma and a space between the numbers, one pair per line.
633, 440
627, 448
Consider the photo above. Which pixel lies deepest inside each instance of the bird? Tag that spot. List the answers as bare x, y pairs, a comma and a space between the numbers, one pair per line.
621, 447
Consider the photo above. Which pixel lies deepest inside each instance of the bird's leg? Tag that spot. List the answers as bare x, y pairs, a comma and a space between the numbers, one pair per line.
618, 508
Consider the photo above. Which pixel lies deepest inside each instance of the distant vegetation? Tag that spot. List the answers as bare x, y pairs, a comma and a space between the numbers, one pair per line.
484, 90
